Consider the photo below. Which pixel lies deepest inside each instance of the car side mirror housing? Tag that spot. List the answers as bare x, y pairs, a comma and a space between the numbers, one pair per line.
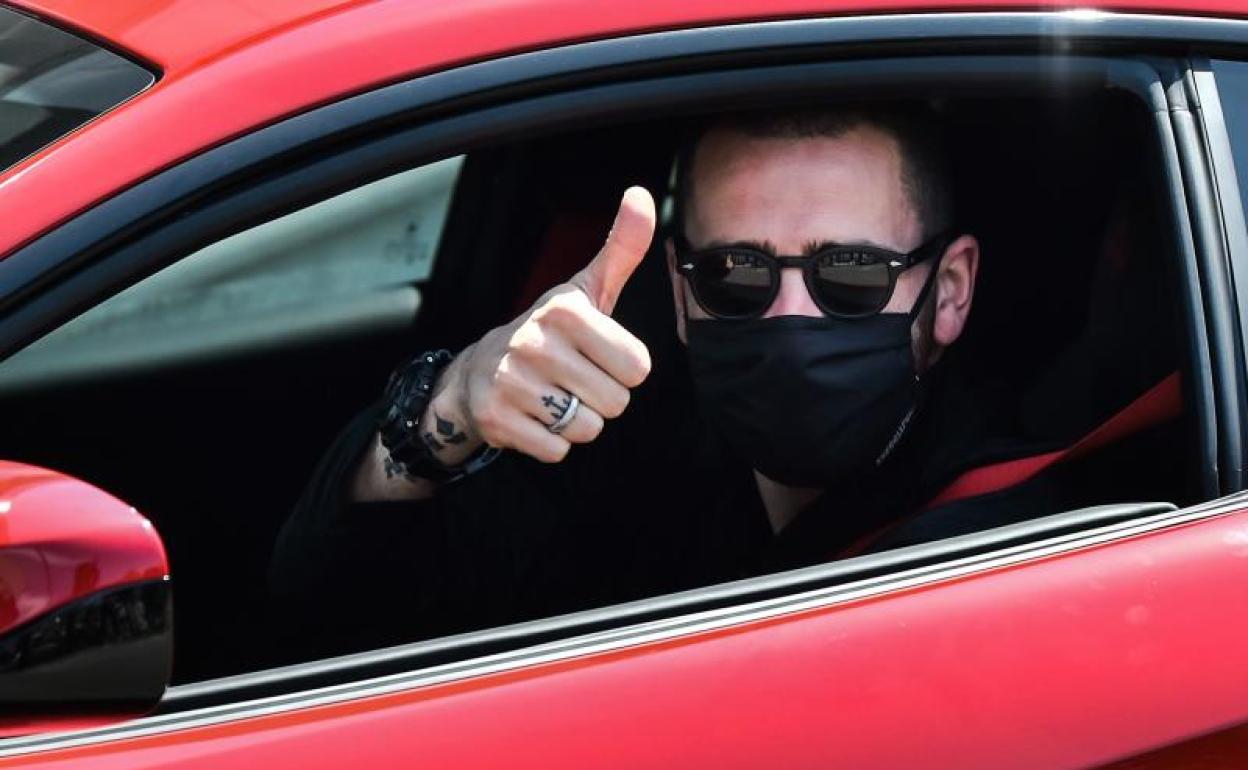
86, 627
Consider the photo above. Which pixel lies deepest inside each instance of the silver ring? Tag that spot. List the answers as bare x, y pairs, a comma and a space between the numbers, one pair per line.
569, 414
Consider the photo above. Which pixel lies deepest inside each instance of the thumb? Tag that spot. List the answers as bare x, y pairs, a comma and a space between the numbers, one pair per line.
604, 277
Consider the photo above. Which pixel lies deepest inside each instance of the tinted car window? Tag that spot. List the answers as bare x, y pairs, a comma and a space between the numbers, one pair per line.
1232, 79
51, 82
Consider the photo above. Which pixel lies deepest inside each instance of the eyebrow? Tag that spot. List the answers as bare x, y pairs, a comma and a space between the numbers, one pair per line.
815, 246
811, 247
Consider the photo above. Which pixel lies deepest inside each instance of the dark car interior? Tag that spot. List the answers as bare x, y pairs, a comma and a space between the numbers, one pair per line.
1074, 313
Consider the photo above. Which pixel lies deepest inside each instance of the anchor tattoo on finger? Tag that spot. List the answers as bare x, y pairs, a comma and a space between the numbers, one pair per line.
557, 408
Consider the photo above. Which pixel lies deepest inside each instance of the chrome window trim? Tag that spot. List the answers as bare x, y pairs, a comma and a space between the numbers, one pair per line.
623, 638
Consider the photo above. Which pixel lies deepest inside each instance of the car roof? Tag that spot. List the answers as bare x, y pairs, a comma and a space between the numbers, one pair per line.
180, 34
229, 66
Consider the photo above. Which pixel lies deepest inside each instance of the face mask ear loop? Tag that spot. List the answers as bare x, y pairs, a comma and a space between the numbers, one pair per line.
914, 314
684, 296
928, 282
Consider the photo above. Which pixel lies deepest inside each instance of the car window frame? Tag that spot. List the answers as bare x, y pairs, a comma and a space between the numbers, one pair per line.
1205, 92
255, 163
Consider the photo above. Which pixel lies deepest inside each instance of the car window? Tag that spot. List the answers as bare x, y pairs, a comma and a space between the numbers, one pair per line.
346, 267
240, 386
1232, 77
51, 82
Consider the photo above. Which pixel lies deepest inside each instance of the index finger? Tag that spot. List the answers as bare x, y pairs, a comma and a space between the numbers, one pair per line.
613, 349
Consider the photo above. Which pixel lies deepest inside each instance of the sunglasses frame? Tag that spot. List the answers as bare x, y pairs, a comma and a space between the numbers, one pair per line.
687, 259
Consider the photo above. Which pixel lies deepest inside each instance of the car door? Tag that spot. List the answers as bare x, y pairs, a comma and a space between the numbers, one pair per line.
1059, 642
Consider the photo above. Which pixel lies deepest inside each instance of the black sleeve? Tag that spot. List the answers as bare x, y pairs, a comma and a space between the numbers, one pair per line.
646, 508
486, 550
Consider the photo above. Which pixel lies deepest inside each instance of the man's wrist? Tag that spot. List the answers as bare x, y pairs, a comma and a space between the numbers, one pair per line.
423, 435
382, 478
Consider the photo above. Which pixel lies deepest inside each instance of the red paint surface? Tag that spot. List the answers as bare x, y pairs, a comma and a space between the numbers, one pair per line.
62, 539
233, 66
1071, 661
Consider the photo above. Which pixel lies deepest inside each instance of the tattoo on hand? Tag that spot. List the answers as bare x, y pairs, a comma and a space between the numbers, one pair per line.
432, 442
557, 408
392, 467
446, 429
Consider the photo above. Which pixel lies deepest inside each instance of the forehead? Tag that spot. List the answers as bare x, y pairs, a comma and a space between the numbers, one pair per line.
791, 190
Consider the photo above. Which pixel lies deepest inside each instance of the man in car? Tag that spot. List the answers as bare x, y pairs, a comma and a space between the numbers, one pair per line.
818, 287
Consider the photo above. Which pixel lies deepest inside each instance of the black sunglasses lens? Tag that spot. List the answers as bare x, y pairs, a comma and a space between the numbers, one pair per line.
850, 284
733, 284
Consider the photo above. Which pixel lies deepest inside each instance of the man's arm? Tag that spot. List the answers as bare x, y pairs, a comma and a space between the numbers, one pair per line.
505, 389
348, 576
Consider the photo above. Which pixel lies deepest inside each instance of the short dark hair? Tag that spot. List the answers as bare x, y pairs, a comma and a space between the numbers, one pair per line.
915, 127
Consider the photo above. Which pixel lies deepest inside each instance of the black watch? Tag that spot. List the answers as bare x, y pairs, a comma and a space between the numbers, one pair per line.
407, 396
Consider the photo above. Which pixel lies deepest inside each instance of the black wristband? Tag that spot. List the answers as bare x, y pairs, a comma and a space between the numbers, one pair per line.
407, 397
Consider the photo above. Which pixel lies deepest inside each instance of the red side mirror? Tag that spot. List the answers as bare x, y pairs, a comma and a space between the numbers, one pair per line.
86, 632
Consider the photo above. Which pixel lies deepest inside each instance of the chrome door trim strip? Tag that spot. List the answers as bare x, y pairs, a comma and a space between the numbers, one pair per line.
623, 638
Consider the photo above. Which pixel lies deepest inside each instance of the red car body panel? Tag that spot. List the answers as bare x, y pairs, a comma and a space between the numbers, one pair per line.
62, 539
238, 65
1076, 659
1070, 661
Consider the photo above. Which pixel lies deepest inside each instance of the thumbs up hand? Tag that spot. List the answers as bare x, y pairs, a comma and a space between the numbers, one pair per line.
509, 387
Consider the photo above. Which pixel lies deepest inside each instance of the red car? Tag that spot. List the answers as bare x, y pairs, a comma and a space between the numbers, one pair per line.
222, 223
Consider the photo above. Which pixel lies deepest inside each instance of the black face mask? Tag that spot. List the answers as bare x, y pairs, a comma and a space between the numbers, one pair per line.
808, 402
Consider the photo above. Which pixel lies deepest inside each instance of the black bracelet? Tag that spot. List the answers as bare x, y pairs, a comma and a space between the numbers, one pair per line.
407, 397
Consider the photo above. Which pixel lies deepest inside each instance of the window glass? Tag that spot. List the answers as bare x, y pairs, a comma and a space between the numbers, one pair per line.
1232, 78
51, 82
344, 266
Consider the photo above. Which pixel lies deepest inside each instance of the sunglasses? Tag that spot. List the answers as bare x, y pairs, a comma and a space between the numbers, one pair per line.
738, 282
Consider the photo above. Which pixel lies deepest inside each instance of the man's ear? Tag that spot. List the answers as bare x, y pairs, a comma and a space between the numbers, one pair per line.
955, 287
678, 289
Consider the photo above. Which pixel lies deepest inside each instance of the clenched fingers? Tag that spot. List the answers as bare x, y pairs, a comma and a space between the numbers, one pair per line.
531, 437
598, 337
504, 420
555, 360
532, 394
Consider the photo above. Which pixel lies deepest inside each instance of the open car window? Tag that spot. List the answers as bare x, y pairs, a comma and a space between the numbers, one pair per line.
1074, 313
